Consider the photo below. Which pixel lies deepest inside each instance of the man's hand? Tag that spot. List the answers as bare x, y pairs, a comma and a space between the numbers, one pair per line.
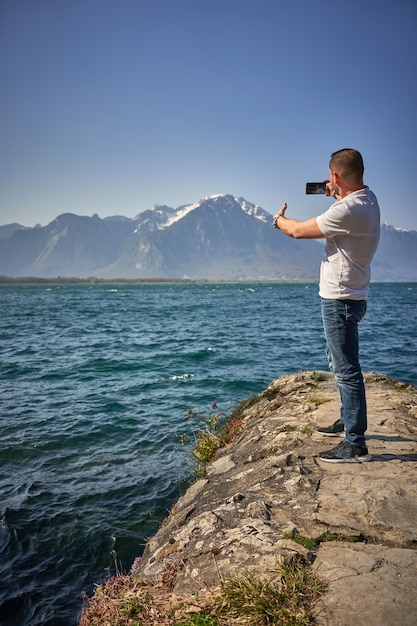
294, 228
331, 191
281, 213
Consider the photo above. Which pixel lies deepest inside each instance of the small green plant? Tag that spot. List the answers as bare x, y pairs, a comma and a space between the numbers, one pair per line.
215, 431
202, 618
313, 544
286, 428
261, 602
315, 377
208, 435
318, 401
307, 542
205, 448
301, 582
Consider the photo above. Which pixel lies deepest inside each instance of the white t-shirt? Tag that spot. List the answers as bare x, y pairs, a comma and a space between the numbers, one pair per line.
351, 227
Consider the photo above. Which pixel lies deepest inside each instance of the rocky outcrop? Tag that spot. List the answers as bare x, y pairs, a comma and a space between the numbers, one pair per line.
267, 496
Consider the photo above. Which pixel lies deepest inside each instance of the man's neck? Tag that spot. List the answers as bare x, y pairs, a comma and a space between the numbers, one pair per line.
351, 189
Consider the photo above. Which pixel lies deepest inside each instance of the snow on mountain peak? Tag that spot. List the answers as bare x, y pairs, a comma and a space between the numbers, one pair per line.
397, 228
253, 209
161, 217
181, 212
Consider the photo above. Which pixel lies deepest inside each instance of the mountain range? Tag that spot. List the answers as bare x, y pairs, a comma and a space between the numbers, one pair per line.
218, 238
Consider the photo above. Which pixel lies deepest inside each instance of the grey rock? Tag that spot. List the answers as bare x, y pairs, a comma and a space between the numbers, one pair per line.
368, 584
269, 485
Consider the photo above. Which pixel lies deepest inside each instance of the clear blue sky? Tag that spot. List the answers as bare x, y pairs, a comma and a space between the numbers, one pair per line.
113, 106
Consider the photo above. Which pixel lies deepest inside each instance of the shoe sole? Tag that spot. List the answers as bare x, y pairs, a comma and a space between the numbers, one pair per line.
355, 459
341, 434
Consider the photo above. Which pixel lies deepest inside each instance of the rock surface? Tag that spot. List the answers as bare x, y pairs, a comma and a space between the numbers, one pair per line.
268, 487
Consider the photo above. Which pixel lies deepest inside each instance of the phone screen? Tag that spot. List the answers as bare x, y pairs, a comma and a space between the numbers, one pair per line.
316, 188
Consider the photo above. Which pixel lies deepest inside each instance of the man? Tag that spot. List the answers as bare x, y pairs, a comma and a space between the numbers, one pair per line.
351, 228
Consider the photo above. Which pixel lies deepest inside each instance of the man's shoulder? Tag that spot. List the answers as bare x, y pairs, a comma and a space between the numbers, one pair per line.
363, 195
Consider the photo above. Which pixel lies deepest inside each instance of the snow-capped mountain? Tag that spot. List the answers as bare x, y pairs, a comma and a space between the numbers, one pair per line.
218, 237
162, 216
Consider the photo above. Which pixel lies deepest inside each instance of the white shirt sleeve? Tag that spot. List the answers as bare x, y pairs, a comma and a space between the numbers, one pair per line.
337, 220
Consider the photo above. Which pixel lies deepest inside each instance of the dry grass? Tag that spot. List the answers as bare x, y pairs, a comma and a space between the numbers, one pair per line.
245, 600
286, 602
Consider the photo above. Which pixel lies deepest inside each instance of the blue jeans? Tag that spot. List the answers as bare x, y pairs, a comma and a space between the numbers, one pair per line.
340, 321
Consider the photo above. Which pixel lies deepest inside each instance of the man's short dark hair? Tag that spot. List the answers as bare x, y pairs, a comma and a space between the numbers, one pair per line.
347, 162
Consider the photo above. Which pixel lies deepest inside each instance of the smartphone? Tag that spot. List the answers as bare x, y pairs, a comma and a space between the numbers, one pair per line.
314, 188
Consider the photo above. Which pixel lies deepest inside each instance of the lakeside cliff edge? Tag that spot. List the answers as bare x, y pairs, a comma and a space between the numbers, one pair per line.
266, 498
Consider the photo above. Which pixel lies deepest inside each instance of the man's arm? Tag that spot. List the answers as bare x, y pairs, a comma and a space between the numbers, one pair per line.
296, 229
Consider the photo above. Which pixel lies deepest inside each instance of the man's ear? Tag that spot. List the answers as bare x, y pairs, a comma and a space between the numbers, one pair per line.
336, 177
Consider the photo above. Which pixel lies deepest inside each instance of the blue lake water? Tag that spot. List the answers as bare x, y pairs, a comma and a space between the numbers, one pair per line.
95, 387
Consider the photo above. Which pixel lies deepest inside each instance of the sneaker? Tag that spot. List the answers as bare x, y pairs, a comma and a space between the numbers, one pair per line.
335, 430
346, 453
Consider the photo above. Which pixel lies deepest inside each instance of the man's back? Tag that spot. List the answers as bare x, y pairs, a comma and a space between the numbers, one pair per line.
351, 227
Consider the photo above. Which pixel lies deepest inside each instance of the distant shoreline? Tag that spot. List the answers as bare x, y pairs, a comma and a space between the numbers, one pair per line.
61, 280
92, 280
